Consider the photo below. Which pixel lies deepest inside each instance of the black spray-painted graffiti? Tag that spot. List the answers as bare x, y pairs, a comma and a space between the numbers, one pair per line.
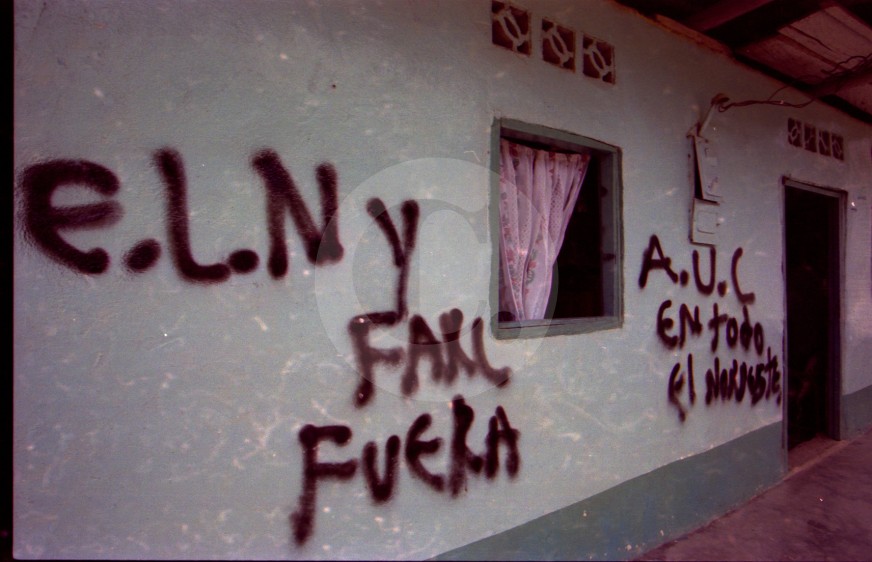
676, 323
43, 223
446, 358
453, 481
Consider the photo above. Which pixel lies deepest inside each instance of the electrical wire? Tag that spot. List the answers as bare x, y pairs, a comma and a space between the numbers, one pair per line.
723, 103
768, 101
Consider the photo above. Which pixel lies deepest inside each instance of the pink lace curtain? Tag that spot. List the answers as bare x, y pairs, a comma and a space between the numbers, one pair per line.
538, 191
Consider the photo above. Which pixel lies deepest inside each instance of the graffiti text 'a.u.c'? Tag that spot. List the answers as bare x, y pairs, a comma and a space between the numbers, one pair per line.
677, 323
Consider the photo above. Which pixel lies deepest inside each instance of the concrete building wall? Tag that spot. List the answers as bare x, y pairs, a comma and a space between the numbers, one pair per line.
162, 391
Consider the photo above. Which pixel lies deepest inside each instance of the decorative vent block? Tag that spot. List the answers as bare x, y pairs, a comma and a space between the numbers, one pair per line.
558, 45
794, 132
510, 28
810, 138
815, 139
513, 28
837, 146
824, 143
599, 59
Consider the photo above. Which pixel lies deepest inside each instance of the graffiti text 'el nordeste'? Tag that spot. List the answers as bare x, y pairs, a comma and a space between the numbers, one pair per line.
447, 358
727, 380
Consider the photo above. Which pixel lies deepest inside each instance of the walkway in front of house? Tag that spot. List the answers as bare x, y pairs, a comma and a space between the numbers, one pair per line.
822, 510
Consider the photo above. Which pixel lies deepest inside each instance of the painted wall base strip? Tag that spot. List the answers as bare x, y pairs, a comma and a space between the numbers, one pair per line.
640, 514
856, 412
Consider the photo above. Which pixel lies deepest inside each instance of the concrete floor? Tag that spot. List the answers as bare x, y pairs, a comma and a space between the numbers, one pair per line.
822, 510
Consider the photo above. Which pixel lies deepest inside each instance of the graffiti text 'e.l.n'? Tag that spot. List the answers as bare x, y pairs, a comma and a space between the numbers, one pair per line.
43, 221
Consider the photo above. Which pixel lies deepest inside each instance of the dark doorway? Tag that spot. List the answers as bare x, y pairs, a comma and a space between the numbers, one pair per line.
812, 246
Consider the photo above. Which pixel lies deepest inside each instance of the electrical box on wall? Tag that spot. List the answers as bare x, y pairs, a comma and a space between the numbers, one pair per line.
706, 169
705, 219
705, 213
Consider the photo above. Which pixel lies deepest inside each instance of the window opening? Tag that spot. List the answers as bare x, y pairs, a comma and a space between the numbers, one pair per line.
558, 236
577, 288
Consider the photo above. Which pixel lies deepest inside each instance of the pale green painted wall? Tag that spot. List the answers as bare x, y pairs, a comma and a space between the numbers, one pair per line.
159, 418
630, 519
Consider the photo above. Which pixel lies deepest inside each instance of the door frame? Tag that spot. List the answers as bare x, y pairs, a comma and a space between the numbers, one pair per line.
833, 398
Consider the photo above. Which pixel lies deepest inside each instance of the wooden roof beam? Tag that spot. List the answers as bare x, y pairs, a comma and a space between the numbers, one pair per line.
721, 13
857, 76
